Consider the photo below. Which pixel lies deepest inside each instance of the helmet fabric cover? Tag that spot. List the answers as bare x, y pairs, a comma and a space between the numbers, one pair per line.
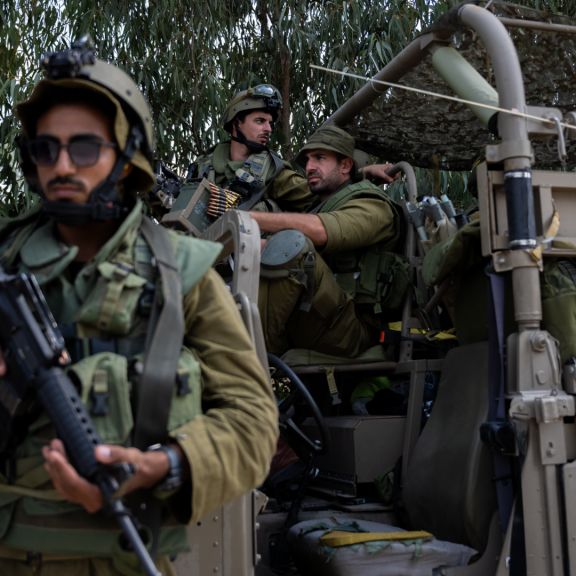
112, 83
262, 97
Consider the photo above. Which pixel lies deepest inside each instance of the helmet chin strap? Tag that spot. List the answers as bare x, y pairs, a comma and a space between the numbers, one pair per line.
104, 202
250, 144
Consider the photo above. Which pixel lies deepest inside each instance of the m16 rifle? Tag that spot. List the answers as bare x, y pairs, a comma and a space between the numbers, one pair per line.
35, 355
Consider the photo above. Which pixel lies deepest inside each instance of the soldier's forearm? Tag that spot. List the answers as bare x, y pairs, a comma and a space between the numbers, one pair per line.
308, 224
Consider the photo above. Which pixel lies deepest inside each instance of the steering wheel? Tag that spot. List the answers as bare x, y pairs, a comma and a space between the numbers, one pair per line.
290, 426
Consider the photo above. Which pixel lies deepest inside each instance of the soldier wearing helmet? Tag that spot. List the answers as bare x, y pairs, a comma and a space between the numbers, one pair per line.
246, 164
263, 102
258, 178
143, 314
107, 87
331, 277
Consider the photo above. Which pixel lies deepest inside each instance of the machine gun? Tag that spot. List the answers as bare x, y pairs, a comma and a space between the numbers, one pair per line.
35, 355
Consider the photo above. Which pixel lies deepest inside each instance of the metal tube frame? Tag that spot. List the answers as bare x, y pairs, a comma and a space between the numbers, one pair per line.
537, 401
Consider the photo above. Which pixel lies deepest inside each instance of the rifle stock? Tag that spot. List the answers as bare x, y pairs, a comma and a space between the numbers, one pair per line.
35, 354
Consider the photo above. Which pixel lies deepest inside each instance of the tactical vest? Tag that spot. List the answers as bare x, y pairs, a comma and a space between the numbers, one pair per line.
207, 194
105, 310
376, 275
252, 179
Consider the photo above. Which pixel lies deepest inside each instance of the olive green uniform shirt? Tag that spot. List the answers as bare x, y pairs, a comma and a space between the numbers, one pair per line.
230, 445
360, 222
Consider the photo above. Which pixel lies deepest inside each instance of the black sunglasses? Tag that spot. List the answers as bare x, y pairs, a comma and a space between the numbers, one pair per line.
83, 150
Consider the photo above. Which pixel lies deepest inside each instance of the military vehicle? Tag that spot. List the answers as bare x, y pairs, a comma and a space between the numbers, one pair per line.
466, 465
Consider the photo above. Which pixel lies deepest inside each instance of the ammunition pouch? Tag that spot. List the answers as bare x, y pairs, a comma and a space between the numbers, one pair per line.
383, 281
114, 303
190, 210
378, 279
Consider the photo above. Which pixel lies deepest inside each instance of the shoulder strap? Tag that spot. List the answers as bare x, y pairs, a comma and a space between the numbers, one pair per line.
163, 345
279, 164
352, 191
273, 166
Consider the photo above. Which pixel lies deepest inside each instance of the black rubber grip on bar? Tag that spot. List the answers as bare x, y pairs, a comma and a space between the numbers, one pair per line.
520, 209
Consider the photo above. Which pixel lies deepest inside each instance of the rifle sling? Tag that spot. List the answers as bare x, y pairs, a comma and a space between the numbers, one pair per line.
163, 346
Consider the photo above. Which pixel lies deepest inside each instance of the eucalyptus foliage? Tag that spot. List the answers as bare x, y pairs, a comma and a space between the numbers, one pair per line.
190, 57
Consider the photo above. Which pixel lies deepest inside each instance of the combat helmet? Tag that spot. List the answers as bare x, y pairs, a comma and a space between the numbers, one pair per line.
262, 97
77, 71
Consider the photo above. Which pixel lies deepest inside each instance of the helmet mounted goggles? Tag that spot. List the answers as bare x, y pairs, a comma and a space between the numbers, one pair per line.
268, 93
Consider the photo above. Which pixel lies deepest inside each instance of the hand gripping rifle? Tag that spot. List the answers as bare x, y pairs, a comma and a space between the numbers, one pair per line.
35, 353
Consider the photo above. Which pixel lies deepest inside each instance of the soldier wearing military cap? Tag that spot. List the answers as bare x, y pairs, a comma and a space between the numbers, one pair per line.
331, 277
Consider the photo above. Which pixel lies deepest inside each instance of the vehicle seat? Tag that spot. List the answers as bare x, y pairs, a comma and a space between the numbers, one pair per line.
448, 488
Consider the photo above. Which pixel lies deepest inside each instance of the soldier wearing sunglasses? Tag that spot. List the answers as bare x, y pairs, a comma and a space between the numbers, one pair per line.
160, 355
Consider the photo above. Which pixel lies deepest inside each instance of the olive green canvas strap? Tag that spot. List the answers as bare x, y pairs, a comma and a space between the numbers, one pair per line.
166, 334
164, 344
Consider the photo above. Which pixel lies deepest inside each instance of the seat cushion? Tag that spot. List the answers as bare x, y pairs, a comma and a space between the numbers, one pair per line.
301, 357
376, 558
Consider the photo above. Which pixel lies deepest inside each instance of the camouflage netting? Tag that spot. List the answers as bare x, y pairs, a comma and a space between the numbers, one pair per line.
432, 132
